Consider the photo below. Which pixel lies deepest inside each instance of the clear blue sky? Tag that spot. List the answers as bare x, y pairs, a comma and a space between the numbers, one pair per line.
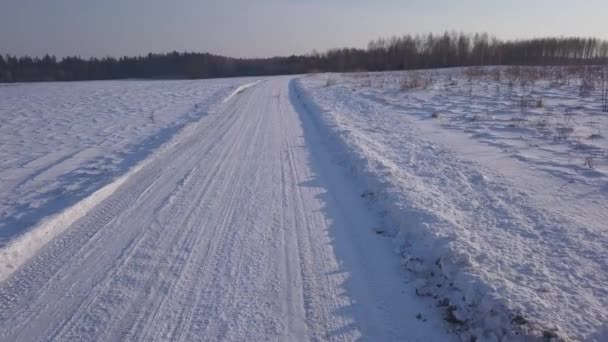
273, 27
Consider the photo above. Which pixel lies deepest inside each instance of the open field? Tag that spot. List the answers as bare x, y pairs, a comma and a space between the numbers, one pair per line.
61, 142
493, 181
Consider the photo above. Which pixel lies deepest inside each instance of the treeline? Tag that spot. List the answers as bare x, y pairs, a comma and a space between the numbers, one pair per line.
397, 53
452, 49
153, 66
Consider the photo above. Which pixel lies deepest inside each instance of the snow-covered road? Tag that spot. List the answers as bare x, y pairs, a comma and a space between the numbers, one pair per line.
242, 228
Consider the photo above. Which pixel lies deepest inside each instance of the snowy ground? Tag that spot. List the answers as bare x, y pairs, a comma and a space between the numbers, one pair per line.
245, 209
189, 211
494, 182
63, 141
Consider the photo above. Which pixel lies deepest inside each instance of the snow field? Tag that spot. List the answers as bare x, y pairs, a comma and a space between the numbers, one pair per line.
68, 146
509, 247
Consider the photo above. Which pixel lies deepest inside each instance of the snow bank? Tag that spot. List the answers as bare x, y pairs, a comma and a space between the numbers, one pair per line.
500, 264
68, 146
240, 89
22, 248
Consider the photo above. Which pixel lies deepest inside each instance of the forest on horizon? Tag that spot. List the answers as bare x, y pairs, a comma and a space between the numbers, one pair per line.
398, 53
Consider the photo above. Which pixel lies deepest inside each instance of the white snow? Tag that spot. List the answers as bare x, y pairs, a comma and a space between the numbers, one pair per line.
63, 141
71, 145
240, 89
214, 221
21, 248
241, 210
499, 208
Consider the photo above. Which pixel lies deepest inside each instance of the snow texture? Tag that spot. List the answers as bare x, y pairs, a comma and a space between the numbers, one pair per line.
63, 142
493, 183
177, 216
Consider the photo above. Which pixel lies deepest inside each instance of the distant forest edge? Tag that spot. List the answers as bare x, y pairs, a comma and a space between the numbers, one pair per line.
398, 53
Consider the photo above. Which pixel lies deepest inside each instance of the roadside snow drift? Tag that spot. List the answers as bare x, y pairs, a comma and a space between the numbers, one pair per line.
494, 183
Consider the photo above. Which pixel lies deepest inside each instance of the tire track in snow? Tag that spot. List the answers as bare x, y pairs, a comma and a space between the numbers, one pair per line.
187, 302
177, 255
193, 327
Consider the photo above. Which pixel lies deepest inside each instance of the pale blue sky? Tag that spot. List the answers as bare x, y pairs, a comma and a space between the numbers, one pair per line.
273, 27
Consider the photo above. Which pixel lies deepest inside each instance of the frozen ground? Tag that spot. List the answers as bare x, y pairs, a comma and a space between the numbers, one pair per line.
494, 183
189, 211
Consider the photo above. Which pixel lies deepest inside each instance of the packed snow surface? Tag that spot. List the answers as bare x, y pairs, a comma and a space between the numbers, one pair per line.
494, 183
157, 211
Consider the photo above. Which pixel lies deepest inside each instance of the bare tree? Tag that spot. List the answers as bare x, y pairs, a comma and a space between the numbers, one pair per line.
604, 88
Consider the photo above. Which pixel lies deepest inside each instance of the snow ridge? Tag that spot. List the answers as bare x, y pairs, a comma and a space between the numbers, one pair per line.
20, 250
241, 89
